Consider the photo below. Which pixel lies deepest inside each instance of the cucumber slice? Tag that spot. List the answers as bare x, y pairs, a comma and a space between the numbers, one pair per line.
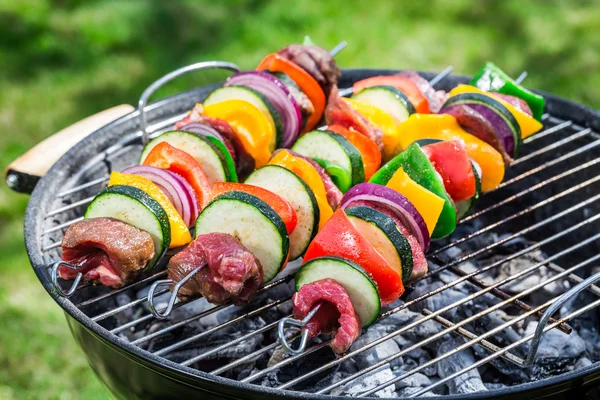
134, 207
207, 155
292, 188
360, 287
254, 223
464, 207
253, 97
383, 234
388, 99
334, 148
338, 175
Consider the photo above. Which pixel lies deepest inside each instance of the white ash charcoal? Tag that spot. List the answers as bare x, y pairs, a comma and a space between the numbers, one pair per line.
556, 344
494, 386
467, 382
410, 391
375, 354
367, 382
439, 300
583, 362
416, 380
418, 357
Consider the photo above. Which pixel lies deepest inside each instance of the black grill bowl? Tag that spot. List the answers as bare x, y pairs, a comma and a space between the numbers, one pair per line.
132, 373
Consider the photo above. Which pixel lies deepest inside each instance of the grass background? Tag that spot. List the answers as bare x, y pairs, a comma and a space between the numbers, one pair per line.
61, 61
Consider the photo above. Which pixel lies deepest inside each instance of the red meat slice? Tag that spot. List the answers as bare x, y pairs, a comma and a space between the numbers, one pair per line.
336, 315
436, 98
340, 112
111, 252
516, 102
231, 272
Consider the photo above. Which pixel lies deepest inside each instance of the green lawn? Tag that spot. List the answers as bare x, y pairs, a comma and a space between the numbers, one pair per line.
63, 60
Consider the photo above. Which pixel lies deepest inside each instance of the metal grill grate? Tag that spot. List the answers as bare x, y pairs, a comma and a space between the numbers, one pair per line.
550, 196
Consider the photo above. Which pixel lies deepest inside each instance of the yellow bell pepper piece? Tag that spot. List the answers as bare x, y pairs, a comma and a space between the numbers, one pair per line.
310, 176
445, 127
180, 234
427, 203
255, 131
528, 124
382, 120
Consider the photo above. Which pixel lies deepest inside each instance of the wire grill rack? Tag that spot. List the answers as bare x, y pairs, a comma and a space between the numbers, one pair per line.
554, 183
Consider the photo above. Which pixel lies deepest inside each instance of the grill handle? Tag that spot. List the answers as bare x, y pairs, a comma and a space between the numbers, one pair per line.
24, 173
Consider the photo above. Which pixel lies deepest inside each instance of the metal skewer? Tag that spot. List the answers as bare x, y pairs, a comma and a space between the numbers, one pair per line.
294, 322
174, 291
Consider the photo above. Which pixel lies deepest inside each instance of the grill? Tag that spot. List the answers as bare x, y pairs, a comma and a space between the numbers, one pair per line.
546, 210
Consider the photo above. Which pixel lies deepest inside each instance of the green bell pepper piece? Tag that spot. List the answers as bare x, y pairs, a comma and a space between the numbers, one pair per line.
492, 79
338, 175
418, 167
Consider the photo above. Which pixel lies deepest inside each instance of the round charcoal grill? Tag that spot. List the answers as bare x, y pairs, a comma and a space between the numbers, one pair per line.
546, 214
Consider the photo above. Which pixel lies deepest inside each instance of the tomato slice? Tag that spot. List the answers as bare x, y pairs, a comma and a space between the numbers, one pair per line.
277, 203
368, 149
165, 156
451, 160
340, 238
402, 83
309, 86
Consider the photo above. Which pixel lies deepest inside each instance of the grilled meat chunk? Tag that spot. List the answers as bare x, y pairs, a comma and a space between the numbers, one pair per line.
112, 253
230, 272
243, 161
436, 98
336, 315
306, 106
516, 102
340, 112
316, 61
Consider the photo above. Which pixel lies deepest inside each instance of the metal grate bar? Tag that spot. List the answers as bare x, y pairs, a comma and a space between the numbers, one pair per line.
86, 185
508, 348
191, 339
121, 290
490, 227
470, 335
117, 310
229, 344
549, 164
548, 131
61, 226
463, 322
70, 206
441, 289
201, 315
552, 146
251, 356
531, 189
574, 278
505, 296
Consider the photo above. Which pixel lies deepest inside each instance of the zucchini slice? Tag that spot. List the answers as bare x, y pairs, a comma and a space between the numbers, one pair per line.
254, 223
464, 207
388, 99
383, 234
136, 208
360, 287
203, 150
335, 149
253, 97
292, 188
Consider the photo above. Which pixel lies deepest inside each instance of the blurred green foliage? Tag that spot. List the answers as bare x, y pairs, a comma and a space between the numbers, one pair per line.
63, 60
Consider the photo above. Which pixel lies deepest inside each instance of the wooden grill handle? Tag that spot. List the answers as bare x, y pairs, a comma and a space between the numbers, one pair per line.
24, 173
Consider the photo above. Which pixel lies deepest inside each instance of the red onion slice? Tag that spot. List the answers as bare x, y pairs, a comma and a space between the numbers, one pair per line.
278, 94
176, 188
394, 201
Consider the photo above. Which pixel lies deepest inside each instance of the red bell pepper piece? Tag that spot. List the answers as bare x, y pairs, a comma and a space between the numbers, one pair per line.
165, 156
339, 238
451, 160
277, 203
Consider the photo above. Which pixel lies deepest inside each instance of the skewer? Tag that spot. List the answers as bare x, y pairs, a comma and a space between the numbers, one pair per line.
294, 322
173, 297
